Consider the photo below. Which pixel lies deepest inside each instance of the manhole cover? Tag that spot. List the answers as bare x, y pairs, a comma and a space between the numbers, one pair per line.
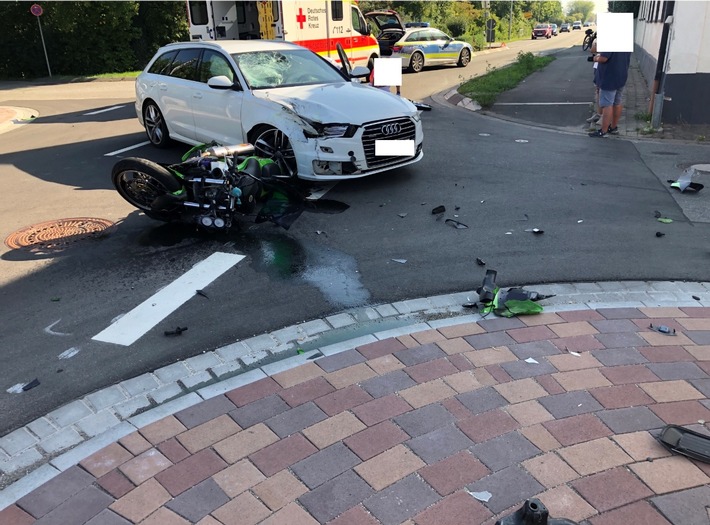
58, 234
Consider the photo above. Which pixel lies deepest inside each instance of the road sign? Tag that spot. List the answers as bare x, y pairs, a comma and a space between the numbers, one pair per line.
490, 23
528, 14
490, 35
486, 4
36, 10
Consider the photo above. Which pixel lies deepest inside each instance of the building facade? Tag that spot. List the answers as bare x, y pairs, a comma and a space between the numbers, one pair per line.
674, 55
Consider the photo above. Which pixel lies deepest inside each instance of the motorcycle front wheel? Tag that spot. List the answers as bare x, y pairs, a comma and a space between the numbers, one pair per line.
141, 181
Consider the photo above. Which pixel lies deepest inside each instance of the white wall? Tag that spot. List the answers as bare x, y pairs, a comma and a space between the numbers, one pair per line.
690, 38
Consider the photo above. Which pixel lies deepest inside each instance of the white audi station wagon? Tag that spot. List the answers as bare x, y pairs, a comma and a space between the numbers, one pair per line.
295, 106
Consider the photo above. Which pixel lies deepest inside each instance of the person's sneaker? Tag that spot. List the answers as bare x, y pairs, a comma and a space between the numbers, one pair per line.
594, 118
597, 133
613, 131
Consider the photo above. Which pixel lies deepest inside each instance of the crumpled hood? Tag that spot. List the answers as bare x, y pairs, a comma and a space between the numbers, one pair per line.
339, 103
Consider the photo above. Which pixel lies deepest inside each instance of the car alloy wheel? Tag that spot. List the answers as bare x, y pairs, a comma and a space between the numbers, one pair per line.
464, 58
273, 143
416, 63
155, 126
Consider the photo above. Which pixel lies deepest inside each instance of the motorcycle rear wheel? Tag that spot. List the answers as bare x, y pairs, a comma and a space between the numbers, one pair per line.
140, 182
587, 44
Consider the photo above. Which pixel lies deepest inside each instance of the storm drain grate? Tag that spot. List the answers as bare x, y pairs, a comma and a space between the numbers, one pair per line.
60, 233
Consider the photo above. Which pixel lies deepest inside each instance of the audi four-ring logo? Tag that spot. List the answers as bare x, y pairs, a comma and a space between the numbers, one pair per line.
390, 129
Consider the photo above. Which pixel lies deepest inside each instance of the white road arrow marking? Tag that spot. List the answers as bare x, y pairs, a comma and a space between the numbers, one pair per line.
52, 332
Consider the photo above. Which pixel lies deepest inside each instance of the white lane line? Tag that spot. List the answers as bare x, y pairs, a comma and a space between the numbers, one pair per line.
104, 110
130, 327
126, 149
542, 103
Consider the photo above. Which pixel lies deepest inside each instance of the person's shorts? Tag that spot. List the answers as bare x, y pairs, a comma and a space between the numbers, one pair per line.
611, 97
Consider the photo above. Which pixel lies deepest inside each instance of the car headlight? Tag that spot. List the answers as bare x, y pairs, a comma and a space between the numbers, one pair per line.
328, 131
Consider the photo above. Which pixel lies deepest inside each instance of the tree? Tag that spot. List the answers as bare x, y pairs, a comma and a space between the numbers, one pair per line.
584, 7
546, 11
625, 6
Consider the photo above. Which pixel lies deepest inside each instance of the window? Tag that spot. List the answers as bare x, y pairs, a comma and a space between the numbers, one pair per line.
185, 64
241, 13
214, 64
162, 63
435, 34
198, 13
359, 24
336, 9
417, 36
275, 10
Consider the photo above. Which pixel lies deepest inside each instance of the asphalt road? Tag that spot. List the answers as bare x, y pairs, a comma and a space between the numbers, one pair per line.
593, 199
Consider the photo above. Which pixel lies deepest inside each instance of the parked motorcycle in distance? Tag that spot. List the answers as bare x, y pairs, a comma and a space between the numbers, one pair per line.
212, 186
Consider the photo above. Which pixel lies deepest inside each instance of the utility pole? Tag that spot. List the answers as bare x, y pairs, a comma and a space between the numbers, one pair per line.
510, 24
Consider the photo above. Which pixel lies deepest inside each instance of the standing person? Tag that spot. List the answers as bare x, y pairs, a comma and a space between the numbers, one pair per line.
385, 88
613, 73
597, 110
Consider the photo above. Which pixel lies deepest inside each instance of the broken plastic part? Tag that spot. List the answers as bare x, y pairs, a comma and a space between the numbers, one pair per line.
403, 215
177, 331
400, 261
660, 234
657, 214
487, 291
438, 209
31, 385
662, 329
533, 512
456, 224
686, 442
481, 496
536, 231
664, 220
202, 293
696, 297
532, 361
480, 262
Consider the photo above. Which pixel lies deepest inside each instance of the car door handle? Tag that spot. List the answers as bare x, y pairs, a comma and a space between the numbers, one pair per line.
163, 86
197, 95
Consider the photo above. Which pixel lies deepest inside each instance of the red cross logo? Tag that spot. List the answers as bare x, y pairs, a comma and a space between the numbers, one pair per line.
300, 18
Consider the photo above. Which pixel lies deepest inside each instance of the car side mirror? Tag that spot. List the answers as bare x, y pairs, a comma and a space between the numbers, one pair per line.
360, 72
220, 82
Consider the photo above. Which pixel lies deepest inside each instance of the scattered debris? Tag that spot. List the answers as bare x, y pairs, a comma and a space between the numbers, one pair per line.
509, 233
657, 214
300, 351
32, 384
483, 201
580, 221
521, 141
202, 293
457, 208
576, 354
400, 261
456, 224
532, 361
403, 215
536, 231
177, 331
696, 297
480, 262
660, 234
664, 220
55, 299
662, 329
481, 496
484, 134
507, 303
321, 232
686, 442
685, 181
15, 389
470, 305
316, 355
532, 512
438, 210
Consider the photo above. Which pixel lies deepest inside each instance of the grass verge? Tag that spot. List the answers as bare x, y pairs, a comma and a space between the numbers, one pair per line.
486, 88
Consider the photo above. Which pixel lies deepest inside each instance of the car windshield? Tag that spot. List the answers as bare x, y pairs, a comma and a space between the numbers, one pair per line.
285, 67
540, 26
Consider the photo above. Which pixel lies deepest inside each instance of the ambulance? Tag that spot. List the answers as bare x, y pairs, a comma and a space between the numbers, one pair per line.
318, 25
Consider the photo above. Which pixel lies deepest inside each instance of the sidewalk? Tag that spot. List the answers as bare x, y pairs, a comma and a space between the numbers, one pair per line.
400, 426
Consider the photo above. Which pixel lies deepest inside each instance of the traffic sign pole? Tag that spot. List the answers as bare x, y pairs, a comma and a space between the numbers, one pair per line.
36, 10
